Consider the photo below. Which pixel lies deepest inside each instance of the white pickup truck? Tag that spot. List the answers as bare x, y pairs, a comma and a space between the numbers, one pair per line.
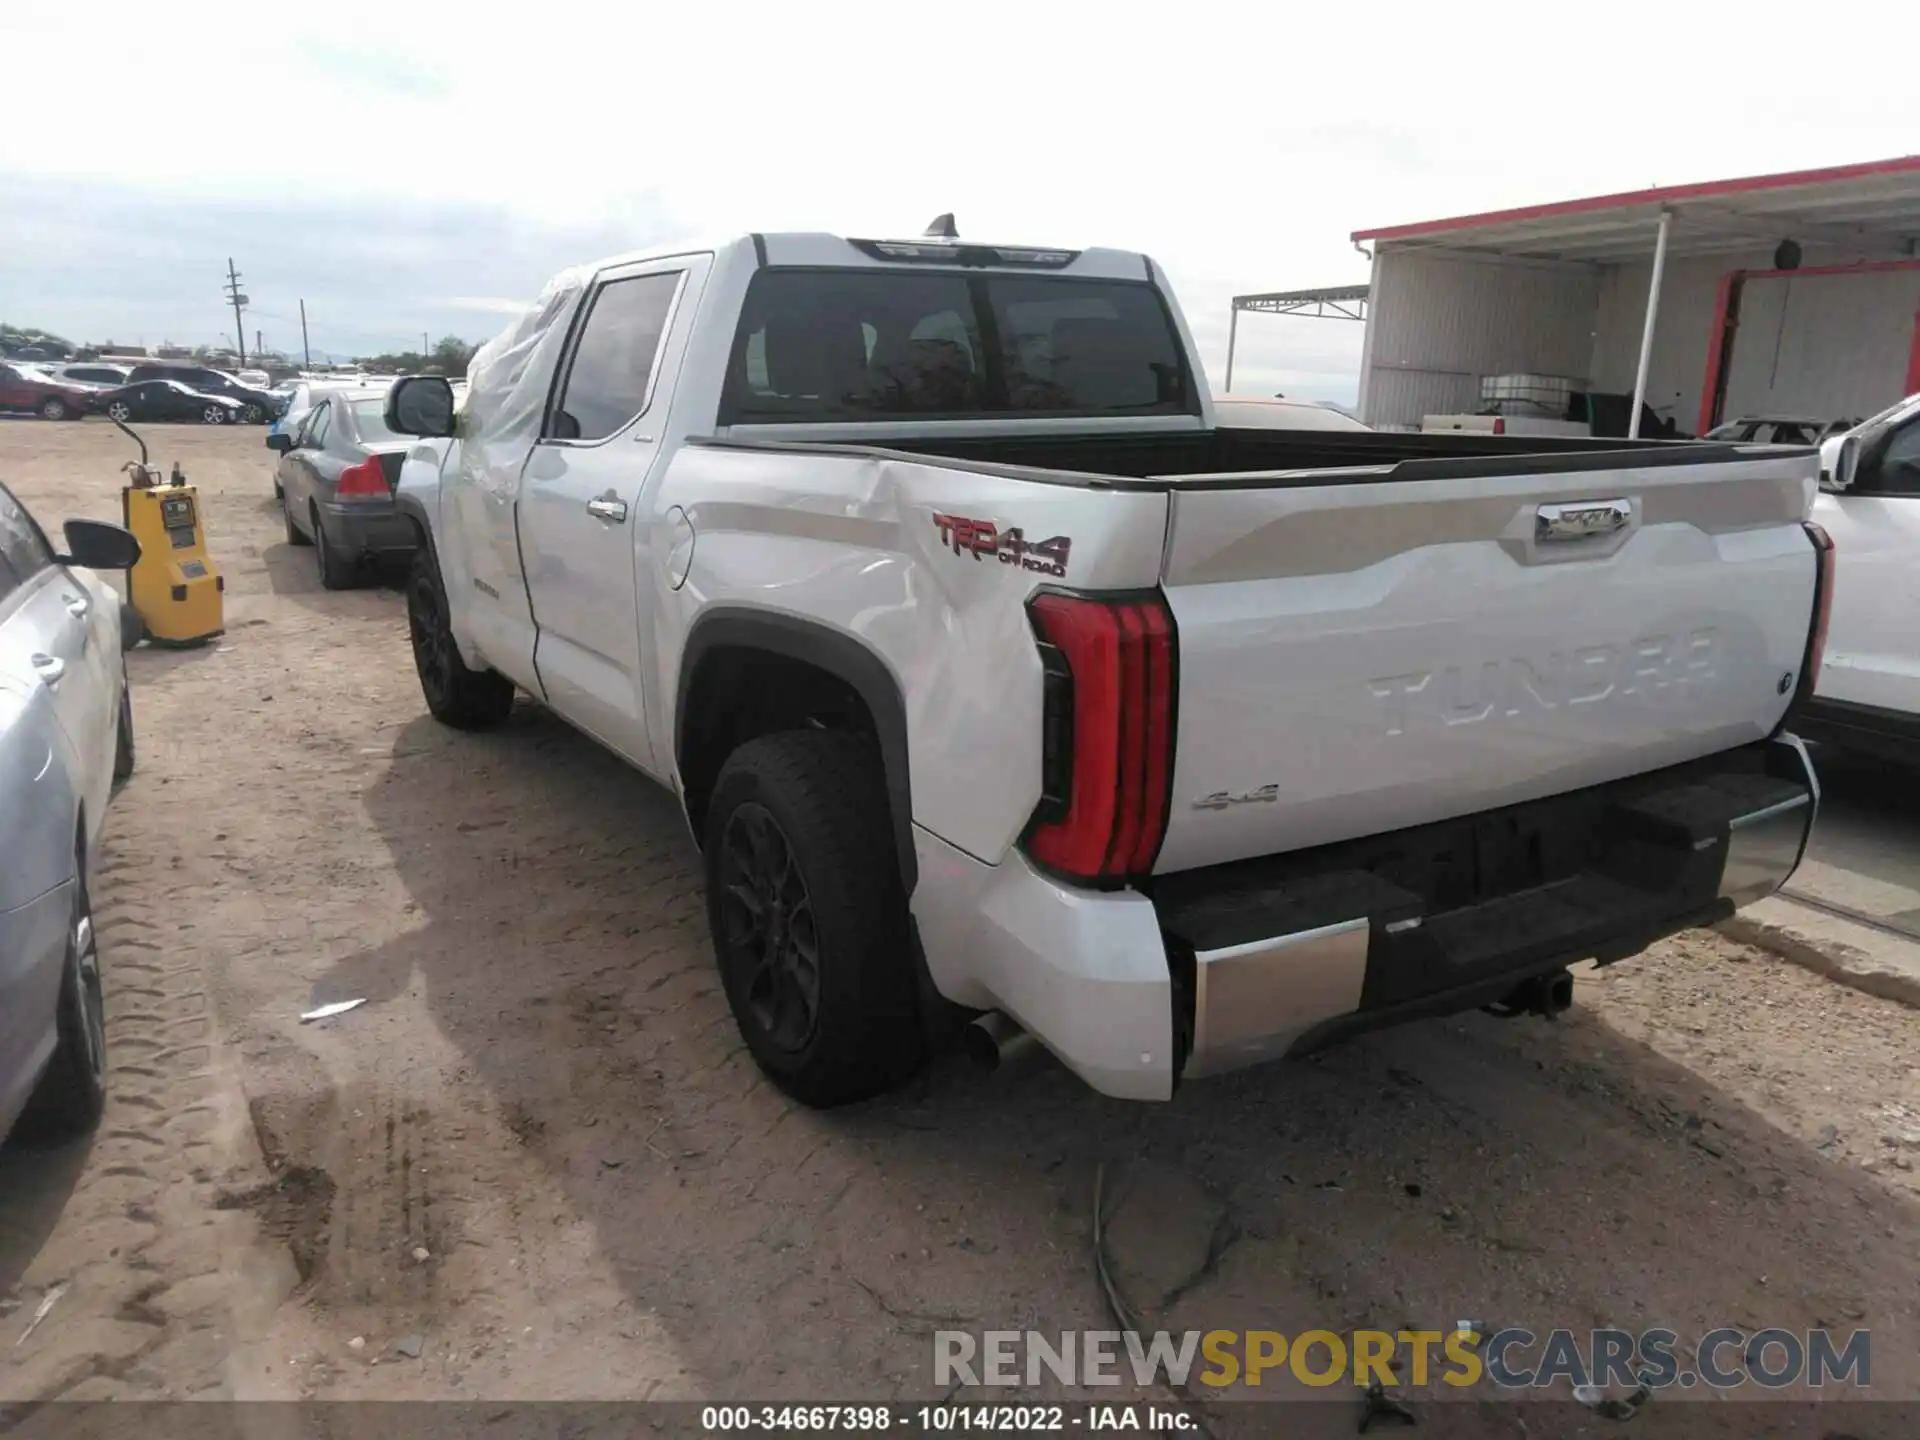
1869, 693
994, 677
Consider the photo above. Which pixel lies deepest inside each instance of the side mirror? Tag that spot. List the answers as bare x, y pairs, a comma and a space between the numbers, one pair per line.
1839, 460
420, 405
96, 545
280, 444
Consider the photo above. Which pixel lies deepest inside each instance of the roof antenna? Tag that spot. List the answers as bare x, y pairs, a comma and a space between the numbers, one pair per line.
943, 228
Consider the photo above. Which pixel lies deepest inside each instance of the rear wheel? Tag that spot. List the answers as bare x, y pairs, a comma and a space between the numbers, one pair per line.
73, 1091
214, 415
295, 536
808, 918
53, 408
336, 570
457, 696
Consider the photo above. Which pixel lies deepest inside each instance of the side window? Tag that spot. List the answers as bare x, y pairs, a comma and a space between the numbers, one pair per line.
1900, 466
318, 424
22, 545
611, 372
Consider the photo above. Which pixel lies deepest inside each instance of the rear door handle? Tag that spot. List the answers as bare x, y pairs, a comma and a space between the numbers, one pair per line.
607, 508
49, 668
78, 606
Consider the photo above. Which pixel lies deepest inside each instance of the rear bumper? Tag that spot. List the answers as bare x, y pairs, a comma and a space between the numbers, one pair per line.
1236, 964
368, 529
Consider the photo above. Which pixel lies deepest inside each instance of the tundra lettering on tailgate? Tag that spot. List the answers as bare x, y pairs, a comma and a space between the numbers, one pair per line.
978, 538
1660, 668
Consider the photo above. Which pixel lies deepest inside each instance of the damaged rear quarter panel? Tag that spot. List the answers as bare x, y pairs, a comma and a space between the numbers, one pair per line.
851, 542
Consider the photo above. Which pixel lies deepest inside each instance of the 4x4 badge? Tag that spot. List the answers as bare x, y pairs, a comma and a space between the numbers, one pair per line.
980, 538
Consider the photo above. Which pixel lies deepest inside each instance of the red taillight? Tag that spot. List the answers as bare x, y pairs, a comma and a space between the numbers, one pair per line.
1108, 735
1500, 425
362, 481
1823, 559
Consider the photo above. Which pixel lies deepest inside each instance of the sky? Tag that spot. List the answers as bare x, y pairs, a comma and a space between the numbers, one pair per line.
410, 168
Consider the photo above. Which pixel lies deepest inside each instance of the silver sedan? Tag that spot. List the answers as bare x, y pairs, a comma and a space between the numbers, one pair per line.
66, 736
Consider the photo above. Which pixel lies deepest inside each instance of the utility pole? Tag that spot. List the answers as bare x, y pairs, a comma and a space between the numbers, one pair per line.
239, 302
304, 350
259, 345
425, 349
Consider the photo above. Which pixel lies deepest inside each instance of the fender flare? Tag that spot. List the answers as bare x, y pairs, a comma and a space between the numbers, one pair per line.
837, 653
415, 509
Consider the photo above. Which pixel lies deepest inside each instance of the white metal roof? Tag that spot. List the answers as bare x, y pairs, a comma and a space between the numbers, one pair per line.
1872, 207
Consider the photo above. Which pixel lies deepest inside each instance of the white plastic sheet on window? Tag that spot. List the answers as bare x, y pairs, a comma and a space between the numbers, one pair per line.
509, 376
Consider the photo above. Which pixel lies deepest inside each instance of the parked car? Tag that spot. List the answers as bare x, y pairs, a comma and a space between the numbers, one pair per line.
93, 374
168, 400
256, 407
991, 670
299, 398
335, 481
1778, 430
1869, 693
66, 735
22, 389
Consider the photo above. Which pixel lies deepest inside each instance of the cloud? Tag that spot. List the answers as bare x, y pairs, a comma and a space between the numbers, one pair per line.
489, 304
453, 155
373, 276
376, 72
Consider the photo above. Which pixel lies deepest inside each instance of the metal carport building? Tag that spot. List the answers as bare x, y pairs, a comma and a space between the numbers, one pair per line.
1796, 293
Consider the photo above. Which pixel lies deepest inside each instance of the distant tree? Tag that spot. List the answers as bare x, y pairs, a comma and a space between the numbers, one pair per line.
449, 357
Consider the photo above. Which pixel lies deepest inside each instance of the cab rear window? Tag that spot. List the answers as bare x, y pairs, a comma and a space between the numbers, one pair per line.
820, 345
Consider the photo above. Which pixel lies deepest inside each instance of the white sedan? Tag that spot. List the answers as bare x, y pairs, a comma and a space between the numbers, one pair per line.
66, 735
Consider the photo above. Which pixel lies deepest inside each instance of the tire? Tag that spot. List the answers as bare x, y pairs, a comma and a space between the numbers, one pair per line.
295, 536
214, 415
123, 743
249, 414
799, 826
73, 1092
465, 699
120, 410
336, 570
54, 408
279, 490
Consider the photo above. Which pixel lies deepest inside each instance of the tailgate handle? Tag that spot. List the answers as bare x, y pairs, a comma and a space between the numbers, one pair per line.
1581, 520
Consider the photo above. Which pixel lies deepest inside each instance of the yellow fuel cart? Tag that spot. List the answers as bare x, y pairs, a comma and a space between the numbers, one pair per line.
175, 587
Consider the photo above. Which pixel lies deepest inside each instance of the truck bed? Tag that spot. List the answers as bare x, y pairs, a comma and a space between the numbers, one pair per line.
1384, 631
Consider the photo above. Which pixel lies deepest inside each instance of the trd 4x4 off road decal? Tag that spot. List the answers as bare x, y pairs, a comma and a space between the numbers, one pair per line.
980, 538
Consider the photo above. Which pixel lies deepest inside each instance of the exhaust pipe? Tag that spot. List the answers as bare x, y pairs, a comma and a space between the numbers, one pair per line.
1544, 995
995, 1041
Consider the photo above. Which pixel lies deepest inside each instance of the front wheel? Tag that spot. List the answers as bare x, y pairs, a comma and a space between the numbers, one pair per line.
808, 917
53, 408
214, 415
119, 410
249, 414
457, 696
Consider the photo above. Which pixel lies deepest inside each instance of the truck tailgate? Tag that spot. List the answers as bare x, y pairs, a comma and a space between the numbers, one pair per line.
1362, 652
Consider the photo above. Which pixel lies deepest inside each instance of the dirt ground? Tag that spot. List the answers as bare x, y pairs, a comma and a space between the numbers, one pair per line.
540, 1157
